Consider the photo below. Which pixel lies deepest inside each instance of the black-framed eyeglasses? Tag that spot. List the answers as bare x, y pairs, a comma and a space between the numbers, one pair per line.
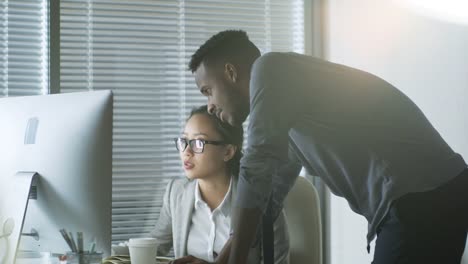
196, 145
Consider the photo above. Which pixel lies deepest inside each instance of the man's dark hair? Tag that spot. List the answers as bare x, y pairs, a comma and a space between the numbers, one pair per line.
231, 46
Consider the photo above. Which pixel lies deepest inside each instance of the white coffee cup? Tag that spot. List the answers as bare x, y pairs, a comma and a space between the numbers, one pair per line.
143, 250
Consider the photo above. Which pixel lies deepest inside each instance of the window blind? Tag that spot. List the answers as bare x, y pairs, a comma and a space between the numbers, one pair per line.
140, 49
24, 42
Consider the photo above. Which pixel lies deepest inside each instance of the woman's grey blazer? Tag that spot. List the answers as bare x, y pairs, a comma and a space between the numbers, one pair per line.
175, 217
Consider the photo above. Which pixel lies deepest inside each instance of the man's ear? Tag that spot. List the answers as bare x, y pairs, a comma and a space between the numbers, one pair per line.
230, 152
230, 71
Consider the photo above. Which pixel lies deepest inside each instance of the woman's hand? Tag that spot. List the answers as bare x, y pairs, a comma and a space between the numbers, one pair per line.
221, 259
189, 260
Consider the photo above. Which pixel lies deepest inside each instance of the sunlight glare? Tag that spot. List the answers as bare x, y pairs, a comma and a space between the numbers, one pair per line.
454, 11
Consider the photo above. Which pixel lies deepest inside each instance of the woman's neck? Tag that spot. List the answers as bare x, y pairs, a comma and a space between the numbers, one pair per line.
214, 189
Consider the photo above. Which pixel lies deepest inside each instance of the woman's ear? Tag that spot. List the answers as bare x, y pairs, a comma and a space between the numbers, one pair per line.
230, 152
230, 72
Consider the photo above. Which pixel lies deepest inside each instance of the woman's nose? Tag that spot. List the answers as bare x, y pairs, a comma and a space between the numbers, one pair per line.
188, 151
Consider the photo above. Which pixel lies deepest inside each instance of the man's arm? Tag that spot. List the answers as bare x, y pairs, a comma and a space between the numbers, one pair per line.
223, 256
273, 111
246, 221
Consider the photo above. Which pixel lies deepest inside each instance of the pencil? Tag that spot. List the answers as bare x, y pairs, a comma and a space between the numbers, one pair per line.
79, 238
73, 242
67, 239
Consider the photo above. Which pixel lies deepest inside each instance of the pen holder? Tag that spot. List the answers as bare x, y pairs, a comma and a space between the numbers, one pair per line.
84, 257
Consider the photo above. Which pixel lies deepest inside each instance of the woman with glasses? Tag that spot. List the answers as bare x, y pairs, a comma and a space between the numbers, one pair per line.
195, 219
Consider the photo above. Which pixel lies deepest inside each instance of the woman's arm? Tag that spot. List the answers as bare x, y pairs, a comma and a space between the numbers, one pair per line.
163, 229
222, 258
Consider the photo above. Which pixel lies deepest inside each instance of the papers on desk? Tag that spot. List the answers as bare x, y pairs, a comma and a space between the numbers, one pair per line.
125, 259
119, 259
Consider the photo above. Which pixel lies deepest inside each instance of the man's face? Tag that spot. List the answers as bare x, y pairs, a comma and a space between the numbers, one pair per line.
224, 93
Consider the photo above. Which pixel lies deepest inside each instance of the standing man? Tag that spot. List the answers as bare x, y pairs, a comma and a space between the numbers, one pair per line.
368, 141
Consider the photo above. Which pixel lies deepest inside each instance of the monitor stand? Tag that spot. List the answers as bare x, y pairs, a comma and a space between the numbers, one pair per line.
16, 204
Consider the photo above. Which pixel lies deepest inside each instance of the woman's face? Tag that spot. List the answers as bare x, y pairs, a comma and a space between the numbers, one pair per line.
212, 161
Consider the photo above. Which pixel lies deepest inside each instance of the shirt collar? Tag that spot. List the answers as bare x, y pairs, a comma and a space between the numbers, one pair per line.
224, 206
198, 199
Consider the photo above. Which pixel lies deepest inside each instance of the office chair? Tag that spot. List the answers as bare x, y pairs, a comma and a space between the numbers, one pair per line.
302, 211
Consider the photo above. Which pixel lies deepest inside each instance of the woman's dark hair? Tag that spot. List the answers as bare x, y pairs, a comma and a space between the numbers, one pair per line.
232, 135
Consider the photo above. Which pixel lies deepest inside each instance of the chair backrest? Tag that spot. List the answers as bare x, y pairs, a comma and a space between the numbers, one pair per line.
302, 210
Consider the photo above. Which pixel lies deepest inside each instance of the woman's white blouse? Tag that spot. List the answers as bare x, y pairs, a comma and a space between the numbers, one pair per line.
209, 230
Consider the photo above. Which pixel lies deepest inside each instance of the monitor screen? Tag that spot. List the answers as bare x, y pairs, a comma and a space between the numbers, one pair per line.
66, 141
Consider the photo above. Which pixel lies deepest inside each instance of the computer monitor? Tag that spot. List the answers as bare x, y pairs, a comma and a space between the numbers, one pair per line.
66, 140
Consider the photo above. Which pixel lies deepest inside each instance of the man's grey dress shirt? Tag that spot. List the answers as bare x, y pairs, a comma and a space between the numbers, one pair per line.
367, 140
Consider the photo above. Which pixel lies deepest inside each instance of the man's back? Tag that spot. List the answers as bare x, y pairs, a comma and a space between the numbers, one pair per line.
368, 141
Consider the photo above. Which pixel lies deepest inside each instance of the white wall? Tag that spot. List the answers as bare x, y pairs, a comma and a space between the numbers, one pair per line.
425, 57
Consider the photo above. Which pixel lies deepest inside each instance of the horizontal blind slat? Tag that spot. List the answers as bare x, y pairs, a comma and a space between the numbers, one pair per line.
140, 50
23, 47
